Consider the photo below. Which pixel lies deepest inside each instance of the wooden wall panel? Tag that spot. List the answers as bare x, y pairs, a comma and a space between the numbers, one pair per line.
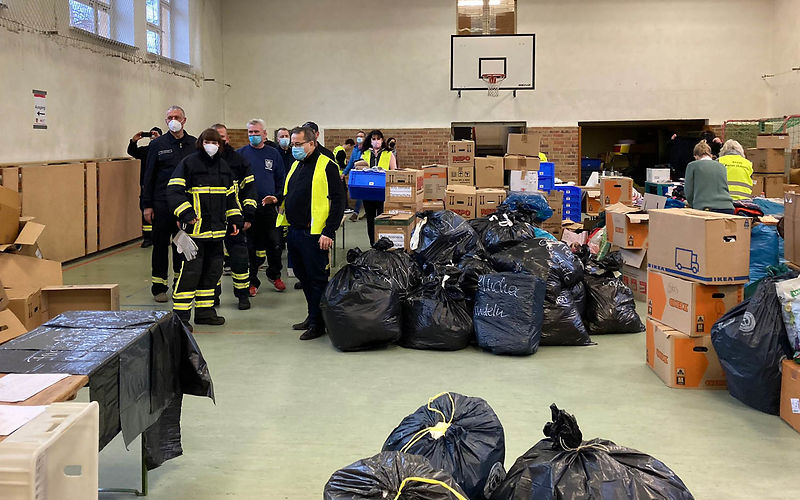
10, 178
91, 207
119, 217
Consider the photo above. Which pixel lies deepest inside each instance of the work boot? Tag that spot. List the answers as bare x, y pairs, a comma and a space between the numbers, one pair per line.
147, 243
278, 284
244, 303
161, 297
312, 333
216, 302
211, 320
301, 326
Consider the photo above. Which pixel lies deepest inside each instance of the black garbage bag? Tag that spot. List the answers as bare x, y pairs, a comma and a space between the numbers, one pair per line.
458, 434
361, 308
563, 466
611, 262
444, 237
532, 206
751, 343
563, 324
508, 313
389, 475
501, 230
472, 267
548, 259
578, 293
398, 265
435, 316
610, 307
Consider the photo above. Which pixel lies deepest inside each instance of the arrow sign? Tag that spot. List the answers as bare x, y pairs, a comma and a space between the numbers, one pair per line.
39, 110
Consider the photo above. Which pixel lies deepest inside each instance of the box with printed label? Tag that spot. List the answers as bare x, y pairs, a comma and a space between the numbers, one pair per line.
407, 207
615, 190
488, 200
404, 185
634, 272
396, 227
790, 393
461, 153
593, 204
435, 205
464, 176
767, 161
773, 141
524, 144
681, 361
705, 247
627, 227
462, 200
524, 180
489, 172
434, 181
689, 307
770, 185
517, 162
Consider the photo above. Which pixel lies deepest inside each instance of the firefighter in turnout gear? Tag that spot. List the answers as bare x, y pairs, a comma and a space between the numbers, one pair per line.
236, 246
202, 195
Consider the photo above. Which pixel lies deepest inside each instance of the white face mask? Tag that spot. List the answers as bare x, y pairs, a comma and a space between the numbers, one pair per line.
174, 126
211, 149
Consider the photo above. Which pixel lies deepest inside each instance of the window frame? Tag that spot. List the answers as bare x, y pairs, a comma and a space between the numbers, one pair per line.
159, 29
486, 21
96, 6
113, 20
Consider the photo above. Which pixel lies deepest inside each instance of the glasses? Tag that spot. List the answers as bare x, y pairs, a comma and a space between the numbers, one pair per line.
299, 144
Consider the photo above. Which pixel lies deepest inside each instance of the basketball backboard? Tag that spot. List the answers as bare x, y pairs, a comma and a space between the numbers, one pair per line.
474, 55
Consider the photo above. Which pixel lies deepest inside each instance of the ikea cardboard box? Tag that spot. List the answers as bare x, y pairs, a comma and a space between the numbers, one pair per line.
404, 186
627, 227
59, 299
489, 172
9, 215
634, 272
791, 227
683, 362
464, 176
396, 227
462, 200
26, 304
10, 326
407, 207
489, 199
461, 153
524, 144
773, 141
518, 162
615, 190
689, 307
524, 180
700, 246
767, 161
790, 393
434, 181
770, 185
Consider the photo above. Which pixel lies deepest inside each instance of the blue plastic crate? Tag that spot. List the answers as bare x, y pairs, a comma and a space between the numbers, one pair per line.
591, 164
572, 213
547, 169
571, 193
546, 183
367, 185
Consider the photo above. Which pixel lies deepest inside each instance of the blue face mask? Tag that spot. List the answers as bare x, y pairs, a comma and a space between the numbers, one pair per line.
283, 141
299, 153
255, 140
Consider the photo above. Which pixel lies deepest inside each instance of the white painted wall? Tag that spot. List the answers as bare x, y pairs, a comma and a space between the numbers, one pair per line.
96, 102
784, 87
349, 63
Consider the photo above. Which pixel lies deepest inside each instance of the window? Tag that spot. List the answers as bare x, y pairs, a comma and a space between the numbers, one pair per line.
159, 27
486, 17
111, 19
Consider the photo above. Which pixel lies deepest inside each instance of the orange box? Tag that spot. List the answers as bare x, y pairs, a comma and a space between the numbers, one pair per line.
687, 306
615, 190
790, 394
627, 227
683, 362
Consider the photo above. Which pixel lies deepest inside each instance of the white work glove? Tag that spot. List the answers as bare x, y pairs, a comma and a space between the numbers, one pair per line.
185, 245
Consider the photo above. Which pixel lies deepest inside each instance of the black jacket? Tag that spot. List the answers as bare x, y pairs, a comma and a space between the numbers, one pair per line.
298, 195
202, 188
243, 180
139, 153
165, 153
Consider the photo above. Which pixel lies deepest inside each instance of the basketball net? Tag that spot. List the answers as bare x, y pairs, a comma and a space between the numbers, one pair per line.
493, 82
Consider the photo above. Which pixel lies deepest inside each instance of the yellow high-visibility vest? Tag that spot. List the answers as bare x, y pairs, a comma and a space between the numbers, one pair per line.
542, 157
336, 153
740, 176
320, 204
383, 160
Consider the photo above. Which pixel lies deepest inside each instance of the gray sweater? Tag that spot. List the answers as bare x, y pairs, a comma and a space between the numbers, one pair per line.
707, 185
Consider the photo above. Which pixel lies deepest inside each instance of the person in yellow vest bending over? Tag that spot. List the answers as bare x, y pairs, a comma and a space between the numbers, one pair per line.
313, 207
740, 170
375, 154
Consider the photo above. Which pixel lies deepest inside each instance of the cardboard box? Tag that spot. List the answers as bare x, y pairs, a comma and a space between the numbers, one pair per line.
777, 141
790, 393
517, 162
553, 225
627, 227
9, 215
396, 227
489, 172
26, 242
10, 326
26, 304
592, 201
463, 176
661, 175
634, 272
791, 188
791, 227
767, 161
3, 297
20, 271
524, 180
683, 362
524, 144
462, 200
404, 186
489, 199
434, 181
706, 247
689, 307
770, 185
435, 205
615, 190
409, 207
58, 299
461, 154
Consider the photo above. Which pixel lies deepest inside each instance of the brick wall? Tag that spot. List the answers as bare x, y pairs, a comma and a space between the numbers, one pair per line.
560, 144
415, 146
237, 137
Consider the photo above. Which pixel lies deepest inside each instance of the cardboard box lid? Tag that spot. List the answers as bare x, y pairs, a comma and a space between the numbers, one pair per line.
460, 189
399, 219
29, 235
20, 271
404, 176
633, 258
10, 198
700, 214
10, 326
654, 202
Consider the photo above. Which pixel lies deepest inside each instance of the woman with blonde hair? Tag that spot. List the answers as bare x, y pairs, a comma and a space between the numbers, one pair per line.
707, 182
740, 170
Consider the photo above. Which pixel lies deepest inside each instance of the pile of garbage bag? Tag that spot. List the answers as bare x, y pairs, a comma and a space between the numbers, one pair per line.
436, 315
532, 207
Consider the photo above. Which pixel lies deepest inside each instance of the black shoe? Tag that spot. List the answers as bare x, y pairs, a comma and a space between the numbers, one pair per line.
147, 243
301, 326
298, 286
312, 333
244, 303
211, 320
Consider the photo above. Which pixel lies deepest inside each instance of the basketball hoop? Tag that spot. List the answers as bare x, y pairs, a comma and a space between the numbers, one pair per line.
493, 81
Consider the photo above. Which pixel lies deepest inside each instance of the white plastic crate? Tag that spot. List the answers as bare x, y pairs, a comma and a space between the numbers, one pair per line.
54, 456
